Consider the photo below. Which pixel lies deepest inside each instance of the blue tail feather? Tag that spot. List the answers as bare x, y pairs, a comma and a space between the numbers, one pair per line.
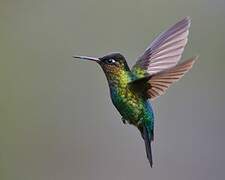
147, 140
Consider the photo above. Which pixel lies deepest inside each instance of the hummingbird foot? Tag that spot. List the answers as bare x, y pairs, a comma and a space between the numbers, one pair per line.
139, 123
124, 120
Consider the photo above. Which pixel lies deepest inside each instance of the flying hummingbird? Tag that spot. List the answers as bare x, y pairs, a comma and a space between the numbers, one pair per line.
156, 69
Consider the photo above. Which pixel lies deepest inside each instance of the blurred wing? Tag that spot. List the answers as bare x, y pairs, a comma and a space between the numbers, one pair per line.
165, 51
156, 85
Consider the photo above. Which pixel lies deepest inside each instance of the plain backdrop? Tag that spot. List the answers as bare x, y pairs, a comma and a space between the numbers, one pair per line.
57, 121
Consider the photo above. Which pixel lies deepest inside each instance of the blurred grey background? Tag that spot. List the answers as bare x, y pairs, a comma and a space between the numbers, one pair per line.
56, 118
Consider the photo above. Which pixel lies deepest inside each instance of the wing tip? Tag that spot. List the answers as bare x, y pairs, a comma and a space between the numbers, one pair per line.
192, 60
184, 22
188, 64
187, 19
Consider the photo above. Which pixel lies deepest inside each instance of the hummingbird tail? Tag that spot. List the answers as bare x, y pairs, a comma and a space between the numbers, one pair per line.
147, 140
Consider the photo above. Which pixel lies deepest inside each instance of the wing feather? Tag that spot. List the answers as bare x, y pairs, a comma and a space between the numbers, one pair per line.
160, 82
165, 51
153, 86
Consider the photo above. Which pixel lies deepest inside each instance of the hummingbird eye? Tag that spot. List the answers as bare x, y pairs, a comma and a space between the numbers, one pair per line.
110, 61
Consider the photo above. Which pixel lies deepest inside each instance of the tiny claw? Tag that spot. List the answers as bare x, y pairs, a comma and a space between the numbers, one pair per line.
124, 121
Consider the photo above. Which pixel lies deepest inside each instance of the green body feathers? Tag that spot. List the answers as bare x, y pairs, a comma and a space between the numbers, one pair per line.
155, 70
132, 105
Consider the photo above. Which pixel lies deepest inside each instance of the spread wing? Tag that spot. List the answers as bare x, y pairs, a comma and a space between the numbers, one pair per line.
165, 51
156, 85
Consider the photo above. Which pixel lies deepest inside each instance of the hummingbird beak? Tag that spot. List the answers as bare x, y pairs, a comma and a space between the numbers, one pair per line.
87, 58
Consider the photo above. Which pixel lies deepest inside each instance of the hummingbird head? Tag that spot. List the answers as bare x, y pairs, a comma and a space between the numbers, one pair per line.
112, 64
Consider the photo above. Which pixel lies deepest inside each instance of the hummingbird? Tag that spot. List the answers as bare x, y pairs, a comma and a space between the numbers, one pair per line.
132, 90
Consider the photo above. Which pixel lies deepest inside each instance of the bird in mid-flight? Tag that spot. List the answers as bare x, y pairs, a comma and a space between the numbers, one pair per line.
156, 69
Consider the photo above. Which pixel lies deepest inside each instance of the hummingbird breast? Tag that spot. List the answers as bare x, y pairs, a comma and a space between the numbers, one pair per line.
127, 102
132, 106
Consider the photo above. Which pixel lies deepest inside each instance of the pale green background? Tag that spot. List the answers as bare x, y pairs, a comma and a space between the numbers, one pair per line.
56, 118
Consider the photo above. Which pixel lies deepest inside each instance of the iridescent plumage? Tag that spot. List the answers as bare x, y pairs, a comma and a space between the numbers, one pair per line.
155, 70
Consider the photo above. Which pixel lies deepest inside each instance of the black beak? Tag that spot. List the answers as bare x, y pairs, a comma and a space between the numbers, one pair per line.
87, 58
